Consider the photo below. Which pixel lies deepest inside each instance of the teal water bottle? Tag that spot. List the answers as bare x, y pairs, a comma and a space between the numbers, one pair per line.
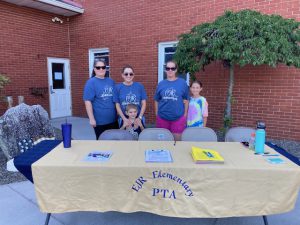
260, 138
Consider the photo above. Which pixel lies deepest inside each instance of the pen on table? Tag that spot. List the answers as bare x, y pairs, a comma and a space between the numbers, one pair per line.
271, 155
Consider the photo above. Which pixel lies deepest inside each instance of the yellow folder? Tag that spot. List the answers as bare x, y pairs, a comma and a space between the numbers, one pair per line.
201, 155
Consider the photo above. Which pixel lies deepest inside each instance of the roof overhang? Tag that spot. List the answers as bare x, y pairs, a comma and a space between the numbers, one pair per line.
62, 8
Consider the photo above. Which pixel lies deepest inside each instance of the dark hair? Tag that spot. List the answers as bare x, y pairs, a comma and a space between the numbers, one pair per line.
196, 82
95, 63
131, 106
127, 66
172, 61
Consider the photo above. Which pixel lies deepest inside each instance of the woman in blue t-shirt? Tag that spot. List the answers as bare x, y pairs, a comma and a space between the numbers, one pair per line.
98, 98
130, 92
171, 102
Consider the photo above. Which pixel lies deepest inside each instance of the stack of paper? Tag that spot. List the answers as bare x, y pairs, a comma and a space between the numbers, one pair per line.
201, 155
158, 155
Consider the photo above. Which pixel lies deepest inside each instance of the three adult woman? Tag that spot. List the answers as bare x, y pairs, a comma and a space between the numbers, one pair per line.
130, 92
171, 102
98, 98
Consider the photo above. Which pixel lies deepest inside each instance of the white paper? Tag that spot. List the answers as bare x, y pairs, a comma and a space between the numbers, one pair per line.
58, 76
158, 155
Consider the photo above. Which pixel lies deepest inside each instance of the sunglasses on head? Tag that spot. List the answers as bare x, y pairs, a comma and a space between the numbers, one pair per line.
100, 67
128, 74
170, 68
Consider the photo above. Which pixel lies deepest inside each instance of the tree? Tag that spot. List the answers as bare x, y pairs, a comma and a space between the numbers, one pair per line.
239, 38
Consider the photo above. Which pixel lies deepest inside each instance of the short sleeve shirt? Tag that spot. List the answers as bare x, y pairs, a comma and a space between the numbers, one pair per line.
100, 93
170, 96
198, 108
130, 94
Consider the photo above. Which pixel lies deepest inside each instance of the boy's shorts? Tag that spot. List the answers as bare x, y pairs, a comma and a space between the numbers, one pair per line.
176, 126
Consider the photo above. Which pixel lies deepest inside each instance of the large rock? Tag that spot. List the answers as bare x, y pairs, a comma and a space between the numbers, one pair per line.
23, 122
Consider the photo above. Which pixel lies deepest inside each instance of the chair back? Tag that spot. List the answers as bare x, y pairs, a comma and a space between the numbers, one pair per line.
116, 134
156, 134
199, 134
239, 134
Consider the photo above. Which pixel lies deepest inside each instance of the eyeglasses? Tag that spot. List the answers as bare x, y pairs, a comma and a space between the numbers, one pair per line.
100, 67
170, 68
128, 74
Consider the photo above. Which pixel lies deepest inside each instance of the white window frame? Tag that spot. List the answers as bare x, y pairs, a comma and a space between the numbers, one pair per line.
92, 53
161, 59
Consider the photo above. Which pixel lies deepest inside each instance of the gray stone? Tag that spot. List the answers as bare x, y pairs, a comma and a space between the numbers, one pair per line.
23, 122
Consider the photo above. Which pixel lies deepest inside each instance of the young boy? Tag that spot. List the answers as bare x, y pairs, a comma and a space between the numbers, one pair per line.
136, 126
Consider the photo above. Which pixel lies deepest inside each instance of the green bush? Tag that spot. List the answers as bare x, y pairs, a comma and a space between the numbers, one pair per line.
3, 81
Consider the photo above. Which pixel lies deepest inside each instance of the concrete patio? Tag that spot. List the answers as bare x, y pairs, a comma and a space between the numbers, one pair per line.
18, 204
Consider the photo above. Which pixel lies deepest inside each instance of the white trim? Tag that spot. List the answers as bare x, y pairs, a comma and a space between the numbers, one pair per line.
62, 5
92, 51
161, 59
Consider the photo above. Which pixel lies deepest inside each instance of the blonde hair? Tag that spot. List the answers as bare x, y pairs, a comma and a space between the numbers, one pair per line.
131, 106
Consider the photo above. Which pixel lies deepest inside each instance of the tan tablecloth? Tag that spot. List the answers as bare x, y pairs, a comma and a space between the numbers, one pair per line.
244, 185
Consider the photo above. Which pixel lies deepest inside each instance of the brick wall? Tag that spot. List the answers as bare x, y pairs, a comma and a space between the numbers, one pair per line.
27, 38
132, 30
260, 93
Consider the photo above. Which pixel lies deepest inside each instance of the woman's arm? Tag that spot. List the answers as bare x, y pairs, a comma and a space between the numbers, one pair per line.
143, 108
121, 114
119, 111
186, 107
89, 110
123, 127
156, 107
140, 124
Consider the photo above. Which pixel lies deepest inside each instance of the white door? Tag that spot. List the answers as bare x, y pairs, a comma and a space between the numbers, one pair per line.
59, 87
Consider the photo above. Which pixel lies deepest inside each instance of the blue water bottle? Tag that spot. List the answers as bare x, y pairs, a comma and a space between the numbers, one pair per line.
260, 138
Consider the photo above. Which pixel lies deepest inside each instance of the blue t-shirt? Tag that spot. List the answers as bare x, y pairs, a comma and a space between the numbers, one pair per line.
100, 93
170, 96
130, 94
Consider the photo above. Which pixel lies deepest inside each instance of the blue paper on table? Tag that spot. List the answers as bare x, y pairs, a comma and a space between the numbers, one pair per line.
158, 155
98, 156
275, 160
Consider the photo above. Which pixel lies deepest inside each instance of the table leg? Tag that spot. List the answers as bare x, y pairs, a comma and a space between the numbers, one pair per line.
265, 220
47, 218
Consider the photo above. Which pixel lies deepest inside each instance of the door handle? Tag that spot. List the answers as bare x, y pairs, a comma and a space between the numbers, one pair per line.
51, 90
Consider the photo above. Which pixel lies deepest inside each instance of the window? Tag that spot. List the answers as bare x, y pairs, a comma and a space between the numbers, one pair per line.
166, 50
99, 53
58, 75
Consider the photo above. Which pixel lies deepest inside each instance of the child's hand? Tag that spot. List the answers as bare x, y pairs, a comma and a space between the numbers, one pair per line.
137, 122
126, 122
